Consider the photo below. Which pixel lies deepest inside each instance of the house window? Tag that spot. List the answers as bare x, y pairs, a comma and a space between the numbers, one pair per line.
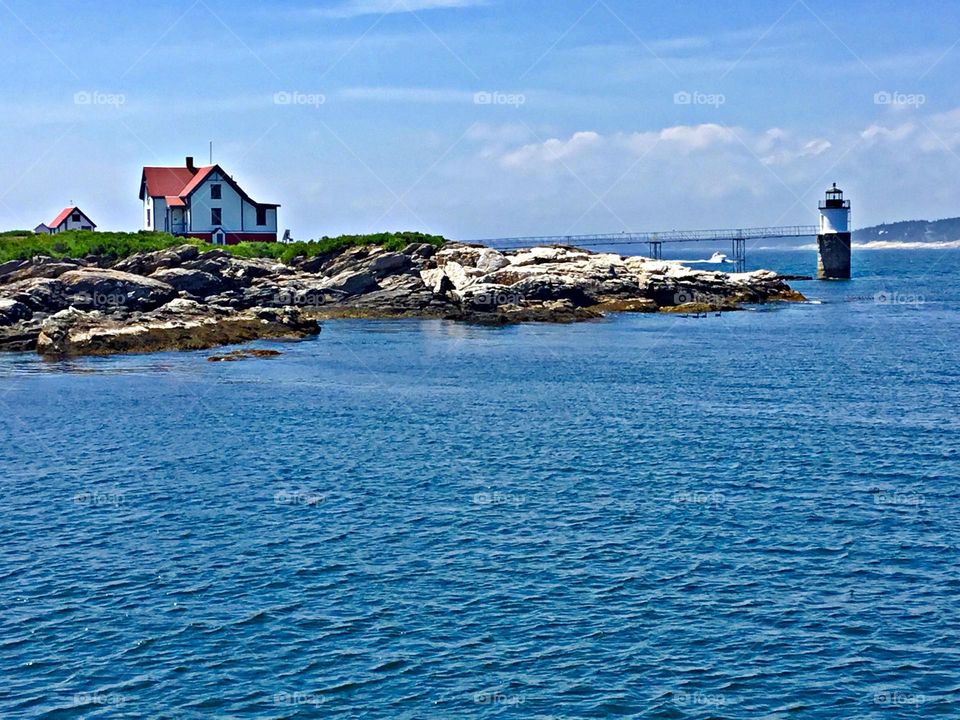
261, 216
215, 192
216, 216
149, 224
75, 217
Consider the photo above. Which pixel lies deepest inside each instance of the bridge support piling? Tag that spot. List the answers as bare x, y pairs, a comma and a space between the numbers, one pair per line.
739, 249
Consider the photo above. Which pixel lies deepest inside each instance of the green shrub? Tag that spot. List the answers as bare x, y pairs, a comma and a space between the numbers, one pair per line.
287, 252
19, 245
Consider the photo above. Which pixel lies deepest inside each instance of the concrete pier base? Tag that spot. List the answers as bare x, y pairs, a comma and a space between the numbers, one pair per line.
833, 257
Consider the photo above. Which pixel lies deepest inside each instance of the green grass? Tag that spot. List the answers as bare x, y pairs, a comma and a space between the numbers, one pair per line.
22, 244
286, 253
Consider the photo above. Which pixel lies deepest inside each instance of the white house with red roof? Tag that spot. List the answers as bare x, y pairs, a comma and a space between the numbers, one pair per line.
70, 218
204, 202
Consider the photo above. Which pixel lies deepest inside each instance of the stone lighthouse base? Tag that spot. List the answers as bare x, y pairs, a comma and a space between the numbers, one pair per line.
833, 257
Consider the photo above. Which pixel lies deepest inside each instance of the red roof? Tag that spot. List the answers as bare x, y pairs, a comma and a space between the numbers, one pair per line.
197, 179
175, 184
164, 181
64, 214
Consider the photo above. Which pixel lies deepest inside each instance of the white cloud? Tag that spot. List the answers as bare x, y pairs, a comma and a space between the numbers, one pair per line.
356, 8
551, 151
713, 175
876, 133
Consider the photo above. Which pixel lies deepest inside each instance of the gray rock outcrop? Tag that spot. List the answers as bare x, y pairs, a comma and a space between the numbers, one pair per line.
184, 298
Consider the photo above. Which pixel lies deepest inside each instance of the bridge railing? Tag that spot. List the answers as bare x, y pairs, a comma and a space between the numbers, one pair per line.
663, 236
737, 237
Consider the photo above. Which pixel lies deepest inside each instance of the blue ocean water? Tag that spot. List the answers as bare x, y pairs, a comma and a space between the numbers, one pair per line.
746, 516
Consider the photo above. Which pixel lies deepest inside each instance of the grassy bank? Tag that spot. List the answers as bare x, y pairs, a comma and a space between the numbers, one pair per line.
20, 245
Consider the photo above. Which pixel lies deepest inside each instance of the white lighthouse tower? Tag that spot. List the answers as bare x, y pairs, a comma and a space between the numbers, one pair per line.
833, 239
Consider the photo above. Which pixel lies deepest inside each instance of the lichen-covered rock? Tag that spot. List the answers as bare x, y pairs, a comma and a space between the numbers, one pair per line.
42, 270
149, 262
96, 288
13, 311
44, 295
353, 283
194, 282
179, 325
182, 298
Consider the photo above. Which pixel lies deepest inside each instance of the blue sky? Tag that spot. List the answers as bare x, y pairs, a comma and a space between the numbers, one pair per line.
483, 118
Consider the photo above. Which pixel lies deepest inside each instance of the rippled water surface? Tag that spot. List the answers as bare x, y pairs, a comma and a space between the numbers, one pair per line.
753, 515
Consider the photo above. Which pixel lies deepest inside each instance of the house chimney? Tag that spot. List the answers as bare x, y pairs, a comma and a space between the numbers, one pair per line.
190, 166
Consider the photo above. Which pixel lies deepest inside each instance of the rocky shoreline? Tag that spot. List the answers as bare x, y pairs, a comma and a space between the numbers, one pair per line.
185, 299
